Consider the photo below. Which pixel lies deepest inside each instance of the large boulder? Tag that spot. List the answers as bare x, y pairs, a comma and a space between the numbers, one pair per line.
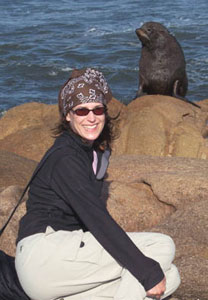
157, 177
26, 129
165, 194
134, 206
142, 188
164, 126
31, 142
150, 125
15, 169
27, 115
188, 228
158, 186
8, 200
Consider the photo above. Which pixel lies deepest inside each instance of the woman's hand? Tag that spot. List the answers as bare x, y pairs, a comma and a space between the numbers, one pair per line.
158, 290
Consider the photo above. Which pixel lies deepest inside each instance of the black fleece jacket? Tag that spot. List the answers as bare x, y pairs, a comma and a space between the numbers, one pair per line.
65, 194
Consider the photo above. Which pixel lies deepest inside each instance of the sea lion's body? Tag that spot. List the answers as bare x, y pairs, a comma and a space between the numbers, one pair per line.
162, 66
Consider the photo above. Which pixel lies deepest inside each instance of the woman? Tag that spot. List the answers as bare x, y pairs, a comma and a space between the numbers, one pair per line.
68, 244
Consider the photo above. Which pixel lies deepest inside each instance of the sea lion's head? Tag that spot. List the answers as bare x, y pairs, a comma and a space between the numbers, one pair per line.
152, 35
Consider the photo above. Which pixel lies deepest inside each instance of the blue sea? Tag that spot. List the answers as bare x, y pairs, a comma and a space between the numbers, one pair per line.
42, 41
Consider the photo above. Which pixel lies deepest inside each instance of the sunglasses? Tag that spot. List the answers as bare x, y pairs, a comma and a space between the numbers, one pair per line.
98, 111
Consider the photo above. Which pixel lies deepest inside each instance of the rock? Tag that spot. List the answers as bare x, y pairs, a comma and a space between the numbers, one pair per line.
32, 114
150, 125
163, 194
8, 200
150, 183
188, 228
164, 126
177, 182
157, 177
135, 207
31, 142
27, 129
15, 170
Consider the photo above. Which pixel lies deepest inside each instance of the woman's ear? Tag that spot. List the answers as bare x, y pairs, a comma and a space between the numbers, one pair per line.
68, 117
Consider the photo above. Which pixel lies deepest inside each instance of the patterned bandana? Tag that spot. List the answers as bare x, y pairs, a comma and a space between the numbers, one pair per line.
84, 86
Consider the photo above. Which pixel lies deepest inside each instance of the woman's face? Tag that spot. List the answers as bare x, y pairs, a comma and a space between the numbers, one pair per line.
89, 127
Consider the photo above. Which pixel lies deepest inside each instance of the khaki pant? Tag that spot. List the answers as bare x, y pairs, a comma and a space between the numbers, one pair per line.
57, 264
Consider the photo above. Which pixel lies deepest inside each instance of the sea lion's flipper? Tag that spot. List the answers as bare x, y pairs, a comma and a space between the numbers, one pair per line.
140, 92
176, 95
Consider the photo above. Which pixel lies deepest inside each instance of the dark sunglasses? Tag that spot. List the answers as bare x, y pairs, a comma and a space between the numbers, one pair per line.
98, 111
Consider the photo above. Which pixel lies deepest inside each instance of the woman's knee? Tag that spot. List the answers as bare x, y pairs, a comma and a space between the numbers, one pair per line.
168, 245
161, 249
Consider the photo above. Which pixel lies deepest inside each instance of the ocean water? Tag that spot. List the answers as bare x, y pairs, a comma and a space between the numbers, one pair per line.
42, 41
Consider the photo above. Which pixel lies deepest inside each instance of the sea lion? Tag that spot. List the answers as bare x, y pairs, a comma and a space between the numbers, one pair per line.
162, 65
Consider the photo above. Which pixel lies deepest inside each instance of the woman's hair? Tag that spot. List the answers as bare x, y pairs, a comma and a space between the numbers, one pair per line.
105, 139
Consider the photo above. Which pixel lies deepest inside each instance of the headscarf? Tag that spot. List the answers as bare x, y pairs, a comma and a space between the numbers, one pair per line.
84, 86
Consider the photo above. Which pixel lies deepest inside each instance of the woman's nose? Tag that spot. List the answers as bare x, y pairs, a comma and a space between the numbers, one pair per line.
91, 116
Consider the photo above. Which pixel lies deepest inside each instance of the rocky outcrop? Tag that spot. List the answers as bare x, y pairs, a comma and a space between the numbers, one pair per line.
150, 125
8, 200
164, 126
188, 227
15, 173
156, 181
169, 195
28, 115
27, 129
15, 169
161, 194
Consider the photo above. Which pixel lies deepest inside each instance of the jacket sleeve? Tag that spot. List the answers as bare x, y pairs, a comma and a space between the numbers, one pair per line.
70, 180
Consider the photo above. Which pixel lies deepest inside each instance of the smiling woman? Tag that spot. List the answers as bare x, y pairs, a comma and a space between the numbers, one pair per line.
68, 244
